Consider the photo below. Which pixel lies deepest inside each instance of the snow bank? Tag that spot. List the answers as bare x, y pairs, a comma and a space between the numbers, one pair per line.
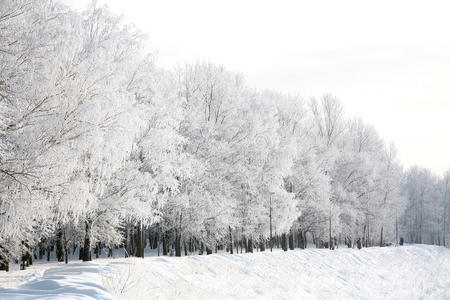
72, 281
409, 272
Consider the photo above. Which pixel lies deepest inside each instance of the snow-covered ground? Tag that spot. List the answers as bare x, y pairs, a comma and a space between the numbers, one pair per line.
409, 272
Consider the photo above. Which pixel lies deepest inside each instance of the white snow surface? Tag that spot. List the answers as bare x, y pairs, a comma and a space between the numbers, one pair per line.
408, 272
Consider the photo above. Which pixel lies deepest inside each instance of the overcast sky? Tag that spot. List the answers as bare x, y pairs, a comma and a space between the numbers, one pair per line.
388, 61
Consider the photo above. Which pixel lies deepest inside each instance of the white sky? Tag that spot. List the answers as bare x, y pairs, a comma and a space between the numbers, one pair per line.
388, 61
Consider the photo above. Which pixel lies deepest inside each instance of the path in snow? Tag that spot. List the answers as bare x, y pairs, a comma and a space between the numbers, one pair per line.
409, 272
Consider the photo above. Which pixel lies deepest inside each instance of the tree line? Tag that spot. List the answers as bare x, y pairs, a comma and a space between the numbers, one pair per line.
101, 148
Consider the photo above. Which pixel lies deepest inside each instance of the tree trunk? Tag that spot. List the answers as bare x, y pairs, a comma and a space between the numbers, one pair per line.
151, 239
291, 240
284, 242
28, 258
250, 245
4, 261
208, 250
87, 256
41, 251
24, 262
177, 242
300, 239
262, 246
59, 245
49, 250
4, 265
331, 242
140, 240
445, 215
66, 254
381, 239
270, 220
231, 240
164, 244
134, 240
396, 230
157, 239
66, 249
127, 241
364, 236
178, 238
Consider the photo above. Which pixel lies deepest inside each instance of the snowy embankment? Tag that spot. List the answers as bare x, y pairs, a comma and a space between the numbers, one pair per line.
409, 272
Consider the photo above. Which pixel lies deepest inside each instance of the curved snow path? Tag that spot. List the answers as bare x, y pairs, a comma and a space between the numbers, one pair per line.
409, 272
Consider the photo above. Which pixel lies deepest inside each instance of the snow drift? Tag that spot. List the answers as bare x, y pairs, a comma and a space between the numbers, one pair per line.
409, 272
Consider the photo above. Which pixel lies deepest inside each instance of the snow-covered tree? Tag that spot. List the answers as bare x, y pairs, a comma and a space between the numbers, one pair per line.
99, 146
